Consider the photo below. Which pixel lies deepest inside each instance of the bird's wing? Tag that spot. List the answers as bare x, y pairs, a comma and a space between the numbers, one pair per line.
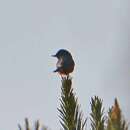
64, 62
68, 61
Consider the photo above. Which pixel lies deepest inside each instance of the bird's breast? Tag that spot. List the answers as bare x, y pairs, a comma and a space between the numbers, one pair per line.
59, 63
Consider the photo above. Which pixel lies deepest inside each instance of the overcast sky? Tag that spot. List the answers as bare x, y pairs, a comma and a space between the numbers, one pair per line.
97, 32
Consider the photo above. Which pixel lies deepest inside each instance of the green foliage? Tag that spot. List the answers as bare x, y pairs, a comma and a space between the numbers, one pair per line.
36, 126
70, 115
115, 118
71, 118
97, 114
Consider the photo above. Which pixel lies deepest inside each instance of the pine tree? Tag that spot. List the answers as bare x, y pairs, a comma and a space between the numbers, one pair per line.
115, 119
97, 114
71, 117
36, 126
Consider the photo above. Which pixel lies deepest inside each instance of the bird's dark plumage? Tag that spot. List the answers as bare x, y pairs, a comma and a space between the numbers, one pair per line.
65, 63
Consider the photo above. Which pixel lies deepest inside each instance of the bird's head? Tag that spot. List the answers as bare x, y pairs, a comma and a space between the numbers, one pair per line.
62, 53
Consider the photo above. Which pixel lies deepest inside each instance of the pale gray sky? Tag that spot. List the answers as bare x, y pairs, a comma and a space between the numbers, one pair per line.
95, 31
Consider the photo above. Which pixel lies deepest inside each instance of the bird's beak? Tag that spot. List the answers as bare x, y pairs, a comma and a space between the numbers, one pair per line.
53, 55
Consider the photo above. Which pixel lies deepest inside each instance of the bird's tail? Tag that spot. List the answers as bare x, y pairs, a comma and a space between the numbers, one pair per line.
56, 70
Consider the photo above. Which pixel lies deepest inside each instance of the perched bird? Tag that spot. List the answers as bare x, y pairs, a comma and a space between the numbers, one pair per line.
65, 63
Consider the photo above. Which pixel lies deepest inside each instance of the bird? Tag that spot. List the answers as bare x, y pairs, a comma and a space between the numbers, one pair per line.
65, 64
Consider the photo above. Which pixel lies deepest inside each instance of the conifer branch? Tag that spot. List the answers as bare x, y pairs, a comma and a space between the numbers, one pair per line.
71, 117
97, 114
36, 126
115, 118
